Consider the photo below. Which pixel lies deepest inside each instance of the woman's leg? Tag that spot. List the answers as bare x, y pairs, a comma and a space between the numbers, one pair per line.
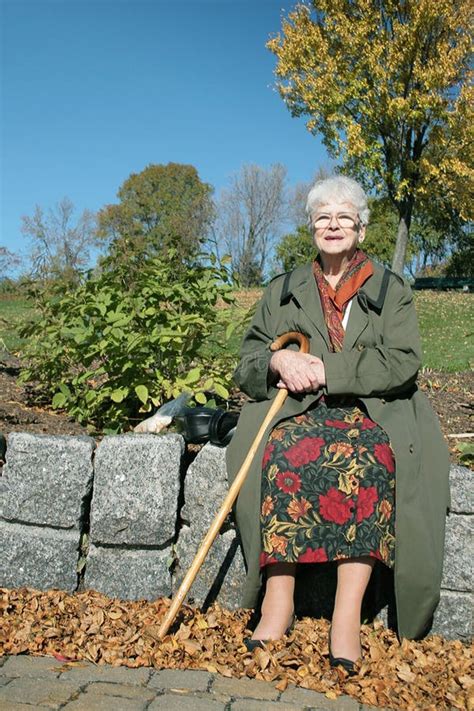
353, 576
278, 604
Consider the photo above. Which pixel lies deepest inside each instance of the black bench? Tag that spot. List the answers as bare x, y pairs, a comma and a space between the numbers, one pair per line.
444, 283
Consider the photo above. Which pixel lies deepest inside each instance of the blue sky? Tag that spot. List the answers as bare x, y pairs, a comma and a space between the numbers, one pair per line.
93, 90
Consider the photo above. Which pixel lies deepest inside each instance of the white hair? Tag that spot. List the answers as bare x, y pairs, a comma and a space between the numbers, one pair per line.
338, 189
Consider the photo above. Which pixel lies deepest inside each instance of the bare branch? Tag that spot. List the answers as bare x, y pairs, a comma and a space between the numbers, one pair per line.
250, 214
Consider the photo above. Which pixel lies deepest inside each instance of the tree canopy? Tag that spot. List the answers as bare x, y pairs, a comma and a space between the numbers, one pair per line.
387, 85
161, 208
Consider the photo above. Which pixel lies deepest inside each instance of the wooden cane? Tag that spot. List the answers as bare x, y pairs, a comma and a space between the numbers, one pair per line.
208, 540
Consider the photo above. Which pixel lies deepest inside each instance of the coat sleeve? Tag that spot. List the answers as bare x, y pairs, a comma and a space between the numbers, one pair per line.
388, 367
252, 375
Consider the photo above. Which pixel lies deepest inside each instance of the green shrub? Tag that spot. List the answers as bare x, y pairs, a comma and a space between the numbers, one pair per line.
295, 249
129, 338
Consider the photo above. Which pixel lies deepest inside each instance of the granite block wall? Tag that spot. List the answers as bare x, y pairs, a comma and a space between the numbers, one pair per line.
133, 511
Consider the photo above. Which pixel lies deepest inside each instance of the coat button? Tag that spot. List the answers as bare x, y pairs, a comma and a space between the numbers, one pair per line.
411, 449
384, 402
360, 347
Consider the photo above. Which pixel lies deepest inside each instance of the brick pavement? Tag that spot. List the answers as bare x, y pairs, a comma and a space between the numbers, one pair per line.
28, 683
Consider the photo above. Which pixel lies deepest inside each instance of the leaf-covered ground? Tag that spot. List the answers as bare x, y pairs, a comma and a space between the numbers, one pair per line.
433, 675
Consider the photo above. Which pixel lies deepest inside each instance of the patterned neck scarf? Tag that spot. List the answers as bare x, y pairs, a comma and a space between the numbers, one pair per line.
334, 301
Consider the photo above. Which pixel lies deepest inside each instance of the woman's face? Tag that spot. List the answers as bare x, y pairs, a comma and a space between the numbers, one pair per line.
337, 229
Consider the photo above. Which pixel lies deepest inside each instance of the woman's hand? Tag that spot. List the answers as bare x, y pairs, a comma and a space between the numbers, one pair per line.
298, 372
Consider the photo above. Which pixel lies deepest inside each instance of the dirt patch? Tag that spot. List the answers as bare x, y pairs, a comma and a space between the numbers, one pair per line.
19, 414
449, 393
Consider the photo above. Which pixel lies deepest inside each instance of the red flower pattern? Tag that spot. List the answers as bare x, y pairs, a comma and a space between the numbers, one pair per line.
305, 451
384, 455
335, 506
338, 424
316, 555
289, 482
306, 490
365, 502
267, 455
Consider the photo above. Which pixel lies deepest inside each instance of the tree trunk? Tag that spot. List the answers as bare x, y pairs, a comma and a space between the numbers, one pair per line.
398, 261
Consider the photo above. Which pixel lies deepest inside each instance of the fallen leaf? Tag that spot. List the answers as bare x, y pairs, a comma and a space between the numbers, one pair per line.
282, 685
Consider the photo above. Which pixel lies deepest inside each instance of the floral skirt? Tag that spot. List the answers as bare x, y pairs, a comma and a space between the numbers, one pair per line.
328, 488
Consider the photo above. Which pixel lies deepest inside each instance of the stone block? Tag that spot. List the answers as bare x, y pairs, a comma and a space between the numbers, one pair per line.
47, 479
125, 691
136, 487
41, 558
86, 672
453, 618
461, 480
222, 574
14, 706
259, 705
100, 702
459, 545
225, 687
191, 680
35, 667
51, 693
315, 700
129, 574
175, 702
205, 487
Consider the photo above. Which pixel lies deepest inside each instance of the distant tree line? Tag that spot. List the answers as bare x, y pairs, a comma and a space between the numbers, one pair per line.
257, 222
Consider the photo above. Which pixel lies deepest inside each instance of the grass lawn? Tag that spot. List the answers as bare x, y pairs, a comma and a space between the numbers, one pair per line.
446, 323
446, 320
12, 310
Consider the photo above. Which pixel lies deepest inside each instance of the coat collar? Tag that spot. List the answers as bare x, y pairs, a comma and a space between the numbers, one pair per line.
300, 285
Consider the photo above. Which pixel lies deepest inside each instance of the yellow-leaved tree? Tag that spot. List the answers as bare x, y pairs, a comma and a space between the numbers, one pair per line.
388, 84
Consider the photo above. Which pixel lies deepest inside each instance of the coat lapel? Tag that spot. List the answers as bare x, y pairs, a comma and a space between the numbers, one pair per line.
368, 296
306, 293
356, 325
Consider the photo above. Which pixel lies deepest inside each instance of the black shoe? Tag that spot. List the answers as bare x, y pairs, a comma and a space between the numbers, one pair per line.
252, 644
346, 664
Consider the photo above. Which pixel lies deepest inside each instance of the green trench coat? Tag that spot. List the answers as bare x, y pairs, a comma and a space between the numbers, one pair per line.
379, 363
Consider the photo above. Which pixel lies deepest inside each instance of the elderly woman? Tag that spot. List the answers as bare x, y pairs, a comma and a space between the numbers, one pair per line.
353, 468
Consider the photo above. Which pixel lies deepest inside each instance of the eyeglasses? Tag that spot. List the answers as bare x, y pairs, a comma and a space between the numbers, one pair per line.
343, 219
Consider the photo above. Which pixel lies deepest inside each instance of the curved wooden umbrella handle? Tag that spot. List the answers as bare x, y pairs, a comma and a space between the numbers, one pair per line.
290, 337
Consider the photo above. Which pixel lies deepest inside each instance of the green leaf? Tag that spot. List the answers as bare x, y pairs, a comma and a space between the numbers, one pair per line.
230, 330
200, 398
193, 376
118, 395
58, 400
142, 393
221, 391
